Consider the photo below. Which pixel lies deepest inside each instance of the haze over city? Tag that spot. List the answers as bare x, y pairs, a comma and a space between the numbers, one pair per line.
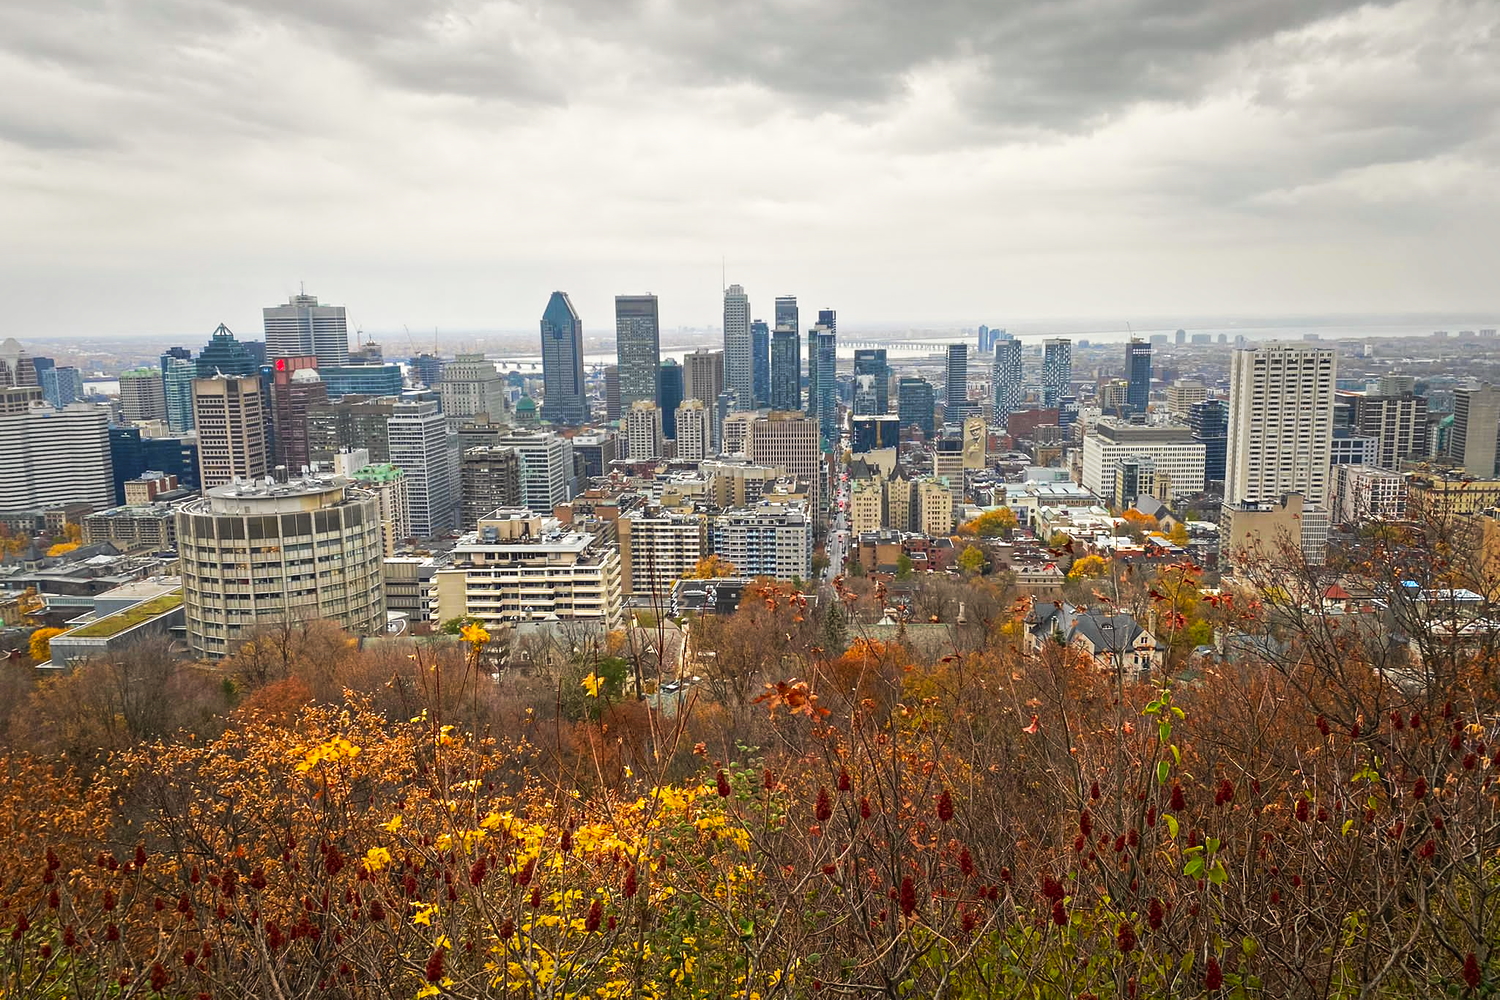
449, 164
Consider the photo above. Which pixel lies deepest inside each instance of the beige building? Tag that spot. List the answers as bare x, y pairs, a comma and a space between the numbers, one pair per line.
789, 440
522, 567
935, 508
643, 434
231, 424
730, 483
901, 504
1183, 395
736, 432
694, 431
1273, 531
133, 527
256, 554
867, 505
471, 386
657, 548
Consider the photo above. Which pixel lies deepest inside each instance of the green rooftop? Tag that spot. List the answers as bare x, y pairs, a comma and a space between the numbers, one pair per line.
112, 625
379, 472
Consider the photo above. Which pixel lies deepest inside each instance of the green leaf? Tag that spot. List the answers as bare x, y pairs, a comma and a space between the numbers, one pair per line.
1249, 947
1164, 730
1178, 712
814, 958
1171, 822
1348, 825
1162, 770
1217, 875
1194, 867
1152, 708
1213, 844
1176, 754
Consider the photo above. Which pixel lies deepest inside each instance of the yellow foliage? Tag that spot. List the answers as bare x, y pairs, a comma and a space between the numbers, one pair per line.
62, 548
41, 643
1088, 567
710, 568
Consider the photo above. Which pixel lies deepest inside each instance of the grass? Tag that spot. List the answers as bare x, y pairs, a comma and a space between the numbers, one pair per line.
112, 625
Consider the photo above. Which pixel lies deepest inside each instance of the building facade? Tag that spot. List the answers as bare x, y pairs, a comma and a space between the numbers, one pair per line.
739, 353
143, 395
52, 455
1172, 449
638, 346
489, 478
1280, 423
566, 398
422, 445
771, 539
304, 326
1057, 371
643, 431
1009, 378
694, 431
471, 386
547, 477
231, 423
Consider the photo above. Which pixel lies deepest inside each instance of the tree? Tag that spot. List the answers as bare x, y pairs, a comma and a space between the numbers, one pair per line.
1088, 568
903, 567
61, 549
41, 643
990, 524
972, 560
710, 567
835, 630
1179, 534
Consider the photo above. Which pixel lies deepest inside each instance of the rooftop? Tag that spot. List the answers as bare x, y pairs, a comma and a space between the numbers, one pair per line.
112, 625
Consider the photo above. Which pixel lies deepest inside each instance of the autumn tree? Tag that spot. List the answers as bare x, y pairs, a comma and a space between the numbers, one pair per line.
990, 524
710, 567
40, 645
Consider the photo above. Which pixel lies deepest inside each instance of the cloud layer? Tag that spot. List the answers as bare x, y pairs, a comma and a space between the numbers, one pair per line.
165, 164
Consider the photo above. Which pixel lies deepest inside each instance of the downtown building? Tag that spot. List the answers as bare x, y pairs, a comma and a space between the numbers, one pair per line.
489, 478
472, 386
1057, 371
566, 396
231, 422
422, 445
789, 441
547, 476
143, 395
305, 327
1174, 453
643, 432
51, 455
872, 382
657, 548
694, 431
638, 348
770, 539
739, 348
1009, 380
956, 386
1138, 376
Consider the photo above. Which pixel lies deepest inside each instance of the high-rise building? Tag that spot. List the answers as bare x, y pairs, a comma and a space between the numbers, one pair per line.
472, 385
769, 539
304, 327
1209, 421
1280, 423
786, 313
760, 351
914, 404
255, 554
547, 477
427, 370
350, 423
387, 484
875, 399
1183, 395
1138, 372
638, 346
1398, 421
1009, 378
657, 548
1180, 338
489, 478
1057, 370
956, 388
1474, 442
425, 447
874, 433
703, 376
822, 381
612, 393
643, 431
177, 376
565, 400
786, 368
694, 431
53, 455
224, 355
1172, 448
829, 320
790, 441
143, 395
61, 385
231, 421
295, 389
739, 348
16, 366
669, 396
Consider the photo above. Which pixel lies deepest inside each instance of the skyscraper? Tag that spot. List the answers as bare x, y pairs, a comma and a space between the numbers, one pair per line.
871, 363
1008, 378
177, 376
52, 455
1280, 423
303, 327
1057, 370
472, 385
739, 353
565, 401
638, 346
231, 426
295, 388
1138, 372
914, 404
694, 431
829, 319
643, 430
224, 355
1474, 442
612, 392
16, 366
1210, 423
786, 369
760, 362
822, 381
786, 313
61, 385
424, 447
142, 395
956, 390
669, 396
703, 376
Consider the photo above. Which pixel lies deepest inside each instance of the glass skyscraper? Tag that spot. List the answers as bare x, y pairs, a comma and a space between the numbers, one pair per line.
1008, 376
956, 389
914, 404
566, 396
739, 353
822, 384
870, 366
760, 362
786, 370
1057, 371
670, 382
1138, 372
638, 346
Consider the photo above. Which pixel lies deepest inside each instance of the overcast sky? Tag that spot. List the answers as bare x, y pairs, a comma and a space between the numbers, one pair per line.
167, 164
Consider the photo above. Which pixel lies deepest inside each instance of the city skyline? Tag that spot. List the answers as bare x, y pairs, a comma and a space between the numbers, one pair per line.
1307, 158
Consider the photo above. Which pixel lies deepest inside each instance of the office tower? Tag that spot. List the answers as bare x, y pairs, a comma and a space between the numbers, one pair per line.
657, 548
1180, 338
489, 478
871, 362
1183, 395
822, 380
612, 393
828, 319
566, 399
295, 389
914, 404
643, 431
427, 370
349, 424
16, 366
739, 352
984, 339
638, 346
1138, 372
786, 370
956, 389
873, 433
424, 447
790, 441
303, 327
760, 348
301, 550
1474, 442
786, 313
1209, 421
230, 417
725, 407
670, 396
380, 379
177, 376
703, 375
770, 539
547, 476
224, 355
143, 395
1172, 448
1057, 370
61, 385
694, 431
1398, 421
387, 484
523, 566
471, 385
53, 455
1280, 423
1009, 378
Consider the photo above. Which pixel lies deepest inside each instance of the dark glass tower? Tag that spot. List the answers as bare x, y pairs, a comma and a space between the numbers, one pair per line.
914, 404
638, 346
670, 398
760, 362
876, 401
225, 355
1210, 422
786, 370
1138, 371
566, 395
